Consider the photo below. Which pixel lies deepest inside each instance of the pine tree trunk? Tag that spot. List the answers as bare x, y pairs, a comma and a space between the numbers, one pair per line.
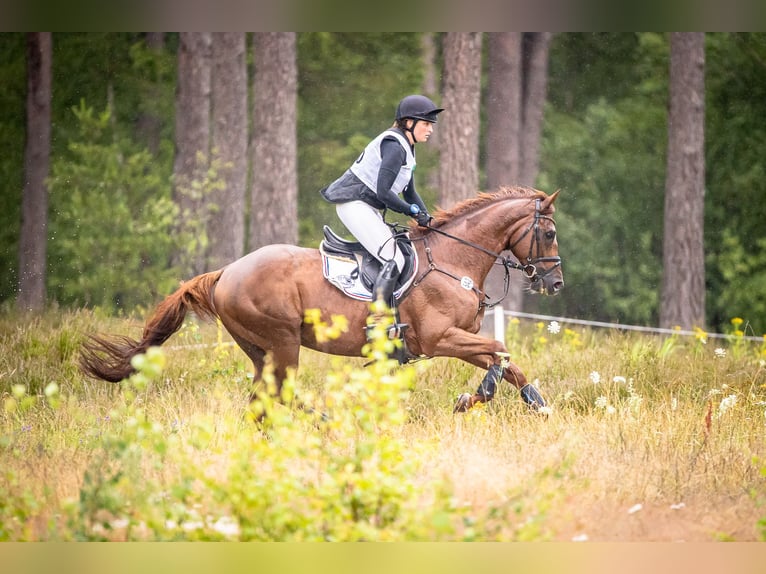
230, 133
274, 192
34, 206
683, 282
517, 87
459, 127
192, 146
536, 49
504, 111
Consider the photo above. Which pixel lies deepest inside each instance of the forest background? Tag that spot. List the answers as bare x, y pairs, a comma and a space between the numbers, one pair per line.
116, 238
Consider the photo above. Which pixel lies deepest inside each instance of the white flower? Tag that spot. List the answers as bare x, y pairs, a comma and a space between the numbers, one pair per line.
601, 402
726, 404
610, 410
595, 377
619, 380
720, 353
635, 508
580, 538
678, 506
554, 328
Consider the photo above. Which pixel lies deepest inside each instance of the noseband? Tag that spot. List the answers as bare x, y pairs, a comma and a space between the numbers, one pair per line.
530, 268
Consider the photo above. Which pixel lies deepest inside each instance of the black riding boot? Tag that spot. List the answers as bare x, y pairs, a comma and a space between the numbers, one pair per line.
384, 289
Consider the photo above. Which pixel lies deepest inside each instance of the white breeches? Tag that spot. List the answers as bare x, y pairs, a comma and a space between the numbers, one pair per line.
366, 224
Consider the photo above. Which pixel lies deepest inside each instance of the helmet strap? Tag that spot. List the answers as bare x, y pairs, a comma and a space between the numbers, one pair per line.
412, 130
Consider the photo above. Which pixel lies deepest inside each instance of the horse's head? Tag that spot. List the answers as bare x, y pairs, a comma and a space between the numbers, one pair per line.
537, 249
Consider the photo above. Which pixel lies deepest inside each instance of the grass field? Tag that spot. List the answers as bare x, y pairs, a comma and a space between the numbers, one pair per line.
649, 439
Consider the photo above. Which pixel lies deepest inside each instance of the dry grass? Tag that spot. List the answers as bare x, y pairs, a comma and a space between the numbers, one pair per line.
650, 452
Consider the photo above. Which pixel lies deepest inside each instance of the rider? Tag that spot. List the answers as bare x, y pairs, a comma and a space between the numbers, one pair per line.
374, 182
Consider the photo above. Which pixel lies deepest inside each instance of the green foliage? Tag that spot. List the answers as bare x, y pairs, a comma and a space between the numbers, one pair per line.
112, 232
12, 129
603, 144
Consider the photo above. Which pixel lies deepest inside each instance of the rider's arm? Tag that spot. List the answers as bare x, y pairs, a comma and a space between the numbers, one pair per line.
392, 158
411, 195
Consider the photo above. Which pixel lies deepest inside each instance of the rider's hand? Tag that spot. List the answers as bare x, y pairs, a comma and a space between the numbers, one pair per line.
423, 219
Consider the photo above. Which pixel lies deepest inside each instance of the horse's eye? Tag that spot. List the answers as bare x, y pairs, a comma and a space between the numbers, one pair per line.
550, 235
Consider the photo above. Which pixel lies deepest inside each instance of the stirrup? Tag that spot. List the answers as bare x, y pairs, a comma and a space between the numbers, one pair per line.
395, 331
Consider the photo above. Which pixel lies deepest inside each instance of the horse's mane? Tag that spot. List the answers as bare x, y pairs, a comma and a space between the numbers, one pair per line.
442, 216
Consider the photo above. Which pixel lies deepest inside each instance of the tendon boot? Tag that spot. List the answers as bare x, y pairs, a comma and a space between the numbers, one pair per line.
383, 289
532, 397
484, 393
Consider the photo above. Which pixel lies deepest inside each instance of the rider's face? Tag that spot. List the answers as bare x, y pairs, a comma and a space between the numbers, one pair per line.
423, 130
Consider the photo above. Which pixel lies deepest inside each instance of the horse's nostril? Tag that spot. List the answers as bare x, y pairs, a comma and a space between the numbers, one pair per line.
558, 286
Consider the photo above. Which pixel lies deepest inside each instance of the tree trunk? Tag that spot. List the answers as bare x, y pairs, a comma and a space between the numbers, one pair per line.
504, 109
459, 137
274, 193
517, 87
34, 205
683, 282
431, 81
192, 146
536, 49
230, 123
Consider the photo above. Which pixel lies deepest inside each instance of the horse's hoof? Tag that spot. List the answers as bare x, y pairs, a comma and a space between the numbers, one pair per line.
462, 404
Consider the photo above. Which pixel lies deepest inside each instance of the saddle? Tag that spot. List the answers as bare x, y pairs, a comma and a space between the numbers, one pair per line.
353, 270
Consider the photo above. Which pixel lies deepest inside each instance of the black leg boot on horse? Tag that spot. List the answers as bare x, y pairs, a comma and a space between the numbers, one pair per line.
487, 389
383, 290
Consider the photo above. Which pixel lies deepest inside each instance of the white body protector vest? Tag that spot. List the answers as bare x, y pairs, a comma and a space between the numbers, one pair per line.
367, 166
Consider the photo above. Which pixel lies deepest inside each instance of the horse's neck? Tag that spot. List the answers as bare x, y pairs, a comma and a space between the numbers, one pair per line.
490, 228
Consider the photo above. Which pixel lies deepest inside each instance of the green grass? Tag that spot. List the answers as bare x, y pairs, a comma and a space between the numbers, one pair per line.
648, 439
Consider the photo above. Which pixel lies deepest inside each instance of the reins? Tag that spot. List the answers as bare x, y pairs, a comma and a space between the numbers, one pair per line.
529, 269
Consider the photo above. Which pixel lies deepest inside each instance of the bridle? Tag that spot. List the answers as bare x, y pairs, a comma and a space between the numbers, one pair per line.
530, 268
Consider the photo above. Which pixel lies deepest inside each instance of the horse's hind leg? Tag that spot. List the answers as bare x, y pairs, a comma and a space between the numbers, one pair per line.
487, 354
279, 361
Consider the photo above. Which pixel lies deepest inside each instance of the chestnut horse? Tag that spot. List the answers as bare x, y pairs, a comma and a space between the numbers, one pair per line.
261, 298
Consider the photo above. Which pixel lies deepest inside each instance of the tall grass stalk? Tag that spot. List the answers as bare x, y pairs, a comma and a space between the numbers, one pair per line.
649, 439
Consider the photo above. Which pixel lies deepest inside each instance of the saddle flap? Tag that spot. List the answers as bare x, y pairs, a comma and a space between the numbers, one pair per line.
361, 266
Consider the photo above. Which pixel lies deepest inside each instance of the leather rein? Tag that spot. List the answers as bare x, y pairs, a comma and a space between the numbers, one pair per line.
529, 268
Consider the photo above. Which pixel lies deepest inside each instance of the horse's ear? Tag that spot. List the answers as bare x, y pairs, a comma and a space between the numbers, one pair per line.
548, 201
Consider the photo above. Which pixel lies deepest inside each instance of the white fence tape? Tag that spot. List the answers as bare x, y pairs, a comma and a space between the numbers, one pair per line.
500, 314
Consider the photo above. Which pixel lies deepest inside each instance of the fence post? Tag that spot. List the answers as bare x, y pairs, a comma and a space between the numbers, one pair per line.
499, 324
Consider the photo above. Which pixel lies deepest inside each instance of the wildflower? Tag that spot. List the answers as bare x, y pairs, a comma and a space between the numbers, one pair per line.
580, 538
601, 402
720, 353
595, 378
610, 410
678, 506
700, 335
726, 403
737, 321
619, 380
554, 328
635, 508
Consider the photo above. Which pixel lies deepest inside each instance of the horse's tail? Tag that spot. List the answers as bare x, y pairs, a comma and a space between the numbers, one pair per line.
109, 358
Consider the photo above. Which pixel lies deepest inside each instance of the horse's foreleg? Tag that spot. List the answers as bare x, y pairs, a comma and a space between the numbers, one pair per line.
487, 354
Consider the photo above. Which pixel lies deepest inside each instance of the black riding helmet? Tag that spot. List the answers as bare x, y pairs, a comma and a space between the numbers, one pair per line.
417, 107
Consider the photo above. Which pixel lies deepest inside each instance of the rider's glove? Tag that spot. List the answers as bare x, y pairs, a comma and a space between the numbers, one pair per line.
423, 218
